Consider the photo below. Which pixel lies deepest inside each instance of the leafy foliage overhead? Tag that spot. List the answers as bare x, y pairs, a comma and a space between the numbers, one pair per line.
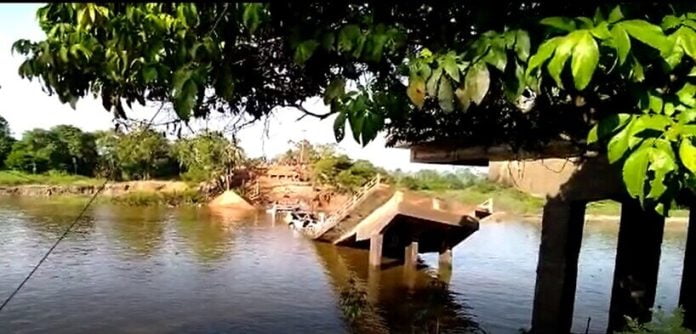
477, 73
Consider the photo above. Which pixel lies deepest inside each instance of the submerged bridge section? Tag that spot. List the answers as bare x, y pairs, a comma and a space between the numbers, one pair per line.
396, 224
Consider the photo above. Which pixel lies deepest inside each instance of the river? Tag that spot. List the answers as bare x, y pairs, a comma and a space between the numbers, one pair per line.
188, 270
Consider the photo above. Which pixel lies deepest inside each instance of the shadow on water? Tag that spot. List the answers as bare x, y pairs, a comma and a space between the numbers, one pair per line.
392, 299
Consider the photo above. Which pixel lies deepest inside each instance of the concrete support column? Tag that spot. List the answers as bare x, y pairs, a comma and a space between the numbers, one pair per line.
444, 268
687, 298
561, 236
637, 263
411, 255
373, 283
376, 250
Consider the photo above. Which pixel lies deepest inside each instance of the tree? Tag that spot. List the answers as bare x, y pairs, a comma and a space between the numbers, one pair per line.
6, 141
38, 151
144, 154
80, 147
107, 165
516, 72
208, 156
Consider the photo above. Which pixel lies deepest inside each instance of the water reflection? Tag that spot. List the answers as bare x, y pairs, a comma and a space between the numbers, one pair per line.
212, 240
139, 231
162, 270
392, 299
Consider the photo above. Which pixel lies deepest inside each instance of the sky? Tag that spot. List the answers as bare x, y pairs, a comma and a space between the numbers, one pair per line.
25, 106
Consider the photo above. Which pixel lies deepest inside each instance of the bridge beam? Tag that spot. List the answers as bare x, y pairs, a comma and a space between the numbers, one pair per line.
376, 242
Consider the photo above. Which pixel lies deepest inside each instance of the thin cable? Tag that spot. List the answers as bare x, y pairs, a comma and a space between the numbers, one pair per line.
70, 227
55, 244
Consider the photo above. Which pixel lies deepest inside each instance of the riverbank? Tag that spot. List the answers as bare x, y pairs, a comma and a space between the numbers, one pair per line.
517, 204
75, 187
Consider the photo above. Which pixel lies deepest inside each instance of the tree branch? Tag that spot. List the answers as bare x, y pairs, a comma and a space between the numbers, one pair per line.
309, 113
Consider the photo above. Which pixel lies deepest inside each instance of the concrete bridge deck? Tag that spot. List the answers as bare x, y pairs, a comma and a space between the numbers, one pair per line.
401, 225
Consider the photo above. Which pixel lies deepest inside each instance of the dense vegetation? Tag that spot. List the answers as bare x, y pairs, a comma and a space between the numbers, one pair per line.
518, 73
140, 154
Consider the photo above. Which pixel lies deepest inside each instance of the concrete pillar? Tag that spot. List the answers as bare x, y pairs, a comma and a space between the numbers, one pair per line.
437, 204
561, 236
637, 263
373, 278
376, 250
445, 259
444, 268
411, 255
687, 298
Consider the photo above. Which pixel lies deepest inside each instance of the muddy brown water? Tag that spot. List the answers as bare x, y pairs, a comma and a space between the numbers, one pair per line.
161, 270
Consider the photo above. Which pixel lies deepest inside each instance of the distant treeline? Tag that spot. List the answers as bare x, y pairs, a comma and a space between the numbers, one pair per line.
332, 168
140, 154
143, 154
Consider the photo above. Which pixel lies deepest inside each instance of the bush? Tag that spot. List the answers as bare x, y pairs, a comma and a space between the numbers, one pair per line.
145, 198
661, 324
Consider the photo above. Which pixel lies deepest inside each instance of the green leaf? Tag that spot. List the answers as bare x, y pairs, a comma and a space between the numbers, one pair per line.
340, 126
449, 64
618, 144
251, 18
185, 101
348, 37
545, 51
496, 57
687, 116
585, 60
622, 42
670, 22
686, 38
560, 56
477, 82
655, 103
181, 76
522, 44
433, 81
637, 72
615, 15
558, 22
63, 52
687, 95
416, 91
692, 73
634, 172
647, 33
585, 22
687, 154
305, 50
607, 126
601, 31
149, 73
372, 123
445, 96
335, 89
598, 16
661, 163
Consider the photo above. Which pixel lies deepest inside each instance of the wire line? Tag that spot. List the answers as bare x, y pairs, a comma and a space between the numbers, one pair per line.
70, 227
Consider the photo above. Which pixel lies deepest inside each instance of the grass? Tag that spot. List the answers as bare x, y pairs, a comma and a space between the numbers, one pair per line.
145, 198
16, 178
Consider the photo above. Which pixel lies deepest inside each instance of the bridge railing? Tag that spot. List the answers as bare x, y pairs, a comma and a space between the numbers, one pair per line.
253, 192
315, 231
